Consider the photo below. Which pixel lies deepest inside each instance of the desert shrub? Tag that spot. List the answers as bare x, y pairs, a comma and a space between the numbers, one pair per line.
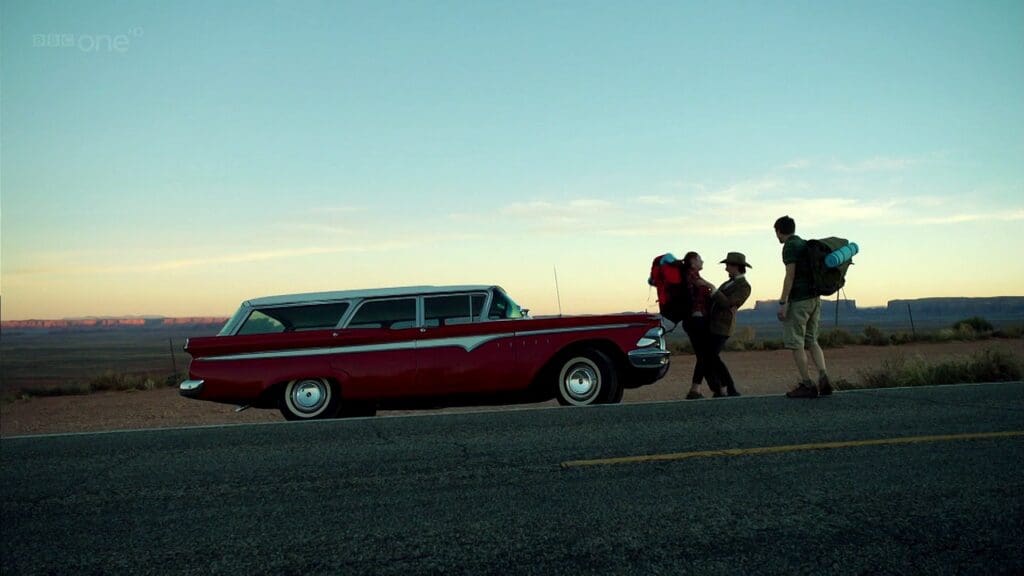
69, 389
900, 338
106, 382
976, 323
743, 339
837, 338
733, 345
680, 346
965, 332
991, 365
112, 381
843, 384
875, 337
1016, 331
745, 334
772, 345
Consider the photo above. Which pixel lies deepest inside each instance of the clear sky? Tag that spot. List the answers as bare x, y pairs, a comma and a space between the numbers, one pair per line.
177, 158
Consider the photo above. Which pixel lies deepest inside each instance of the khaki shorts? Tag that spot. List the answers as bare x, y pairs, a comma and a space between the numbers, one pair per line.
800, 328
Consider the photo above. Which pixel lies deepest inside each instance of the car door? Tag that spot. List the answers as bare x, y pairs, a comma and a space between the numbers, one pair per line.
457, 352
375, 353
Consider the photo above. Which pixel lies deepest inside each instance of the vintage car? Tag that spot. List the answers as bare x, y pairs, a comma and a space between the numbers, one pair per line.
349, 353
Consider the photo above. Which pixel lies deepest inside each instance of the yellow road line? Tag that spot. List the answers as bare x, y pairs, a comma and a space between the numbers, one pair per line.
789, 448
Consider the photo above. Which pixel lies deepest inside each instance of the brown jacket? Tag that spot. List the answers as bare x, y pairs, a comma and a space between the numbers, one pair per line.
724, 303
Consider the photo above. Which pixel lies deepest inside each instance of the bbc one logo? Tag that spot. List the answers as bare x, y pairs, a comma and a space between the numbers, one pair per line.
92, 43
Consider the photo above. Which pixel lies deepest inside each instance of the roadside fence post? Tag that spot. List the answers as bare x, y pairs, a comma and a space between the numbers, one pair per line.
174, 361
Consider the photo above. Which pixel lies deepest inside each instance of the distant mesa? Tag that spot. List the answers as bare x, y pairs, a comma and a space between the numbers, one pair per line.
1005, 308
951, 306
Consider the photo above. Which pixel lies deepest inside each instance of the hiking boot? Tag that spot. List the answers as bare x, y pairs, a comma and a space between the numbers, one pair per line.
804, 390
824, 386
693, 395
734, 392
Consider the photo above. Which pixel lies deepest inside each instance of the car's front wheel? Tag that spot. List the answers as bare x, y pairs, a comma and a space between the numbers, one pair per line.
587, 377
308, 399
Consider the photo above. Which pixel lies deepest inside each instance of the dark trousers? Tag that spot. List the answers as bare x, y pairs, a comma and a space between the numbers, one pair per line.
700, 339
716, 371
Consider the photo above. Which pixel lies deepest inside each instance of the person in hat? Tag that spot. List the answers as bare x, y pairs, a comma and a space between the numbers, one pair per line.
725, 301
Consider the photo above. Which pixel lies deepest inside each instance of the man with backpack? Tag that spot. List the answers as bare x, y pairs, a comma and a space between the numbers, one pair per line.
800, 311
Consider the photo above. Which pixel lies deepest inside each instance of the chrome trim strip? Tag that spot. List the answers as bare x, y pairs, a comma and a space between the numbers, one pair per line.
468, 343
576, 329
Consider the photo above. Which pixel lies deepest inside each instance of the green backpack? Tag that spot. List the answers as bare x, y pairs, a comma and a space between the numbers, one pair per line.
827, 281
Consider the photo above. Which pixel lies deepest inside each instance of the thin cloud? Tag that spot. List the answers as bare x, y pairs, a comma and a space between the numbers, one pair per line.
654, 200
1011, 216
330, 229
227, 259
342, 209
551, 210
875, 164
798, 164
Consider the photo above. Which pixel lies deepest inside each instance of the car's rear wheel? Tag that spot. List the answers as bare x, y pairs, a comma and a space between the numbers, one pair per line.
308, 399
587, 377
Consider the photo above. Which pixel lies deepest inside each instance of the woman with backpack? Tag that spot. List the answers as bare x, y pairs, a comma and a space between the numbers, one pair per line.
696, 324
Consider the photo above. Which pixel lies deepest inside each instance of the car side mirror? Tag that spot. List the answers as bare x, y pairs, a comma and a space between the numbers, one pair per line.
525, 311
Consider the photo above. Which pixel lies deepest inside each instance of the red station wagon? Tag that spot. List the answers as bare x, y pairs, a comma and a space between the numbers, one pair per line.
332, 354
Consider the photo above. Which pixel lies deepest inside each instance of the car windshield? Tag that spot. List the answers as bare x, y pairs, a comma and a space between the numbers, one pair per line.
503, 307
293, 318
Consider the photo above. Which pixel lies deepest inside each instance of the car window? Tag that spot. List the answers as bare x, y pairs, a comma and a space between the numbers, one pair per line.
502, 307
294, 318
260, 323
394, 314
229, 326
452, 309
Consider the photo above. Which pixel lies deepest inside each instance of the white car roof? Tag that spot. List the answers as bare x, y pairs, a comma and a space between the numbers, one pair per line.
371, 293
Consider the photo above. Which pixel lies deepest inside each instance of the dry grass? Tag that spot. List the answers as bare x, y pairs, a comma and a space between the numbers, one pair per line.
991, 365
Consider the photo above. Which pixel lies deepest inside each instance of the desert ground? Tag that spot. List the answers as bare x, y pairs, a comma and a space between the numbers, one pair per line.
755, 372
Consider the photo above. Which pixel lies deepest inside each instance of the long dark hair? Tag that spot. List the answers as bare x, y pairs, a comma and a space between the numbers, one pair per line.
688, 260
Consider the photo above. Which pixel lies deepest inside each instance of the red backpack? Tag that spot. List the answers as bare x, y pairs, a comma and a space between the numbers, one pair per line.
669, 278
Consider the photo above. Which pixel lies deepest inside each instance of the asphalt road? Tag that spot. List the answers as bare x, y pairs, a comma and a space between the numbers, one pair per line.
487, 493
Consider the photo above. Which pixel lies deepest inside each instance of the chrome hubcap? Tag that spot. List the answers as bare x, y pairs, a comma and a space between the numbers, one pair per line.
309, 395
581, 381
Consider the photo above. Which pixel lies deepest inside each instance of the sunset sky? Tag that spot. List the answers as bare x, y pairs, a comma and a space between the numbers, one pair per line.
177, 158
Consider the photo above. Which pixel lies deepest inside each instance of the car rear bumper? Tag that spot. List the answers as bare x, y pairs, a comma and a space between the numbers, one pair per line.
649, 358
191, 388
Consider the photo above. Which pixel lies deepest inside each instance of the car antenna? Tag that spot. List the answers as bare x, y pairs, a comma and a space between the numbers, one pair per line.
558, 295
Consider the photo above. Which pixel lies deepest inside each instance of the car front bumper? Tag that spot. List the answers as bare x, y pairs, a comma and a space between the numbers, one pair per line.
649, 357
191, 388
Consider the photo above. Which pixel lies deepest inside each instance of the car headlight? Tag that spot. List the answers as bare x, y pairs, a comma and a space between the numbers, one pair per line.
652, 337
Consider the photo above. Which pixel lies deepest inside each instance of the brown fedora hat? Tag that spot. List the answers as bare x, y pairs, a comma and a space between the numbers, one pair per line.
736, 258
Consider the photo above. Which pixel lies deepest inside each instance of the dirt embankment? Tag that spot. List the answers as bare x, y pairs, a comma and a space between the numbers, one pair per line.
761, 372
